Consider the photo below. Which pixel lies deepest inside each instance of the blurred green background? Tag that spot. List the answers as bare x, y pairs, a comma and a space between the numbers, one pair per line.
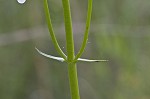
119, 32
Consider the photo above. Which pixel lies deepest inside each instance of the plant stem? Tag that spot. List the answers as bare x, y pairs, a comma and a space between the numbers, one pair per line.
72, 71
70, 58
68, 28
73, 80
51, 31
86, 33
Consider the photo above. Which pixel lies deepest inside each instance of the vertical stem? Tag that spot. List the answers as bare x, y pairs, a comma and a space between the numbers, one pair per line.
68, 28
72, 71
73, 80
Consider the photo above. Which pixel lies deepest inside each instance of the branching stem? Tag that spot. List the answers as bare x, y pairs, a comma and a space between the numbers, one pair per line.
86, 33
51, 31
70, 59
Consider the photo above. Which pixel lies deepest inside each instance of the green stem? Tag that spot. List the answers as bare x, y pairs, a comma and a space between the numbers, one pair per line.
70, 58
68, 29
86, 33
73, 79
50, 27
72, 72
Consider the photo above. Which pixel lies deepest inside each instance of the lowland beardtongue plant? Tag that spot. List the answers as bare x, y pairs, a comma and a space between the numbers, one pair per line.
71, 58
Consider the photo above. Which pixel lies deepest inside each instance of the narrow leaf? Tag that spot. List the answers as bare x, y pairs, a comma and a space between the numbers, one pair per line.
89, 60
62, 60
50, 56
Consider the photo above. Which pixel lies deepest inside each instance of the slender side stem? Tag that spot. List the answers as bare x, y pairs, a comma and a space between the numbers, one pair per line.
68, 28
50, 27
86, 33
73, 79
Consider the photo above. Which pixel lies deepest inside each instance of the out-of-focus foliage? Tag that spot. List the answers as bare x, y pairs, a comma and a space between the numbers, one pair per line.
119, 32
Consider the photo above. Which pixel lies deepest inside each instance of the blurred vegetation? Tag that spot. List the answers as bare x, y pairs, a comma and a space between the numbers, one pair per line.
119, 32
